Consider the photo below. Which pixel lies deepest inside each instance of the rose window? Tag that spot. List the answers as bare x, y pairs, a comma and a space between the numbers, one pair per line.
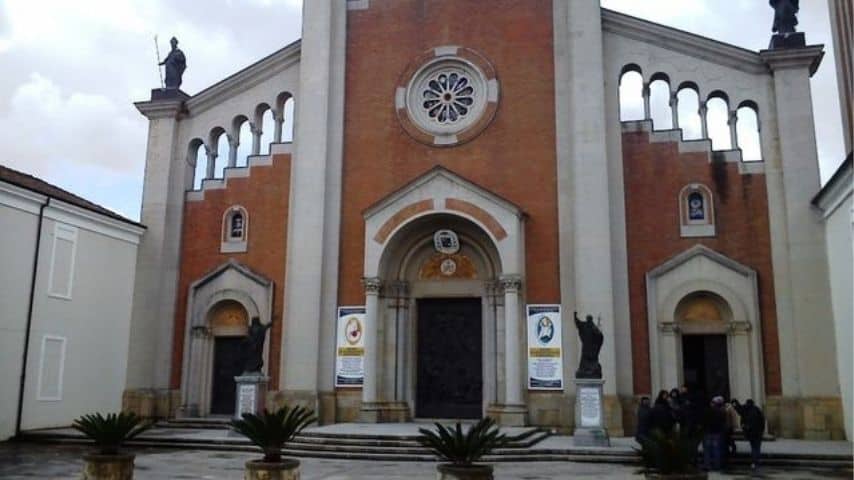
448, 97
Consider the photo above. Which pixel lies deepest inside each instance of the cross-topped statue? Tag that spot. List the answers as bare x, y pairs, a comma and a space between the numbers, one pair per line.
175, 64
785, 21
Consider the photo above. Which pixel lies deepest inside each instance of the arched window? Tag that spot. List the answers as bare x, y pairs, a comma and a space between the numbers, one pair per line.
659, 103
631, 94
688, 109
198, 158
264, 119
244, 142
696, 211
717, 119
747, 128
288, 128
235, 230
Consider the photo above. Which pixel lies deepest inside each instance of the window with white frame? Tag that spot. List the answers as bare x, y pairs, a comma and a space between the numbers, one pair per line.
51, 368
235, 229
62, 261
696, 211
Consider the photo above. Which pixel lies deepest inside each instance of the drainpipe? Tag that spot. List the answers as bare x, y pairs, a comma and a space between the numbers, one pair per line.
29, 326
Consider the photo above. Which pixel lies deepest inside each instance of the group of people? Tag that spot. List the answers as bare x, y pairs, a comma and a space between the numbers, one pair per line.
715, 421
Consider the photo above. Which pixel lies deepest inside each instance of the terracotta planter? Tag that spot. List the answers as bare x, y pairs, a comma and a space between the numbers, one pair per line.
677, 476
108, 467
449, 471
287, 469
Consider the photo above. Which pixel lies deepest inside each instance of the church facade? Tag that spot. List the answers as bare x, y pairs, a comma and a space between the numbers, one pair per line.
404, 192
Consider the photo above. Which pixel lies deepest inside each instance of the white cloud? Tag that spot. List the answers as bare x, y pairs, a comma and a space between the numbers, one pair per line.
47, 129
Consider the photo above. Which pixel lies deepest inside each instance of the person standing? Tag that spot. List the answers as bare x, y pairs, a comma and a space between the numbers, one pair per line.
662, 415
714, 426
753, 426
644, 418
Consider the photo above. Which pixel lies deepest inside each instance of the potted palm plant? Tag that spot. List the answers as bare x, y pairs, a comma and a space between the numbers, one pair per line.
670, 456
108, 433
460, 448
270, 432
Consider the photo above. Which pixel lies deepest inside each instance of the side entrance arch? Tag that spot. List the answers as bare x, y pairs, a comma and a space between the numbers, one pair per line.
219, 309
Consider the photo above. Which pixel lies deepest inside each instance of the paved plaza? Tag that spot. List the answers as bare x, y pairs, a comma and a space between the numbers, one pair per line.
34, 461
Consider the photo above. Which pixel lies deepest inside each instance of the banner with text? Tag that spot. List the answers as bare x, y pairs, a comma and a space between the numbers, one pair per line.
350, 347
545, 355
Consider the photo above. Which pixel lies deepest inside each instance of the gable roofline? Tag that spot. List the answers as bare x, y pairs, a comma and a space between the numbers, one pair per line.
41, 187
231, 264
246, 78
700, 250
440, 171
683, 42
837, 188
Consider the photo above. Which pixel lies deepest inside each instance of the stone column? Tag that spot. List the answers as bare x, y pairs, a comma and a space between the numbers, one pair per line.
513, 412
674, 109
798, 243
368, 411
210, 168
168, 175
647, 109
279, 118
704, 123
732, 121
233, 143
256, 138
512, 358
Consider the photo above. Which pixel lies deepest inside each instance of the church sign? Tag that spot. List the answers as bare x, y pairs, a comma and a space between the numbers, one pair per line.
545, 355
350, 347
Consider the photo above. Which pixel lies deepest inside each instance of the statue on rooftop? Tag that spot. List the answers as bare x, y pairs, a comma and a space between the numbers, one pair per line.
175, 64
785, 16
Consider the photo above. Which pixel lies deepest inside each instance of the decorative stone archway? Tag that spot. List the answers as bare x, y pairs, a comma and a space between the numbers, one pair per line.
398, 271
231, 284
702, 271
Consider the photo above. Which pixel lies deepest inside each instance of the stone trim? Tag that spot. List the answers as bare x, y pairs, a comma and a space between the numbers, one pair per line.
401, 216
479, 214
683, 42
437, 54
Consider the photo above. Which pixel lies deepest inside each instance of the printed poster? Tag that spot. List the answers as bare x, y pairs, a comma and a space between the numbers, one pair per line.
350, 347
545, 355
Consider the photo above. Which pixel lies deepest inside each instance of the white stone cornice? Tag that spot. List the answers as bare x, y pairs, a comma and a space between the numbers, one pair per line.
161, 108
245, 79
21, 198
805, 57
683, 42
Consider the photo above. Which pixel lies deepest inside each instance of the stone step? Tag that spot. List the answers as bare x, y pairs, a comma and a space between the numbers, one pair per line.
588, 456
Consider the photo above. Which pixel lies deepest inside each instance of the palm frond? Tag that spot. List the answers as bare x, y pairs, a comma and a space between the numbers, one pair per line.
454, 445
271, 430
111, 431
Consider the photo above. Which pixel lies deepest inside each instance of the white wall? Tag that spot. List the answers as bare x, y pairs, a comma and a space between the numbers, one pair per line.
94, 321
18, 224
840, 257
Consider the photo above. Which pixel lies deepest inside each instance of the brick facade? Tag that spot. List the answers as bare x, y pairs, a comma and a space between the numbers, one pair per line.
654, 175
513, 157
265, 195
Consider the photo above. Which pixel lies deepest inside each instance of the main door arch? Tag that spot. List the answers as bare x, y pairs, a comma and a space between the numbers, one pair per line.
402, 266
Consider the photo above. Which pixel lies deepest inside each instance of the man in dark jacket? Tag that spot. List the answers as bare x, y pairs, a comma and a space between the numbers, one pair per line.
644, 420
662, 415
714, 427
753, 427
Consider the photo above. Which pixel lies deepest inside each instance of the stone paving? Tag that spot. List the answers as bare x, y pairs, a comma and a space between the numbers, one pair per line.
35, 461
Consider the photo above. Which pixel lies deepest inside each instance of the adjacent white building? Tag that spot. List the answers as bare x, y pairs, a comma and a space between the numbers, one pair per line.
68, 275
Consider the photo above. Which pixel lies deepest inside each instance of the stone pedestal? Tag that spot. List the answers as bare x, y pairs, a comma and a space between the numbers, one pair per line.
792, 40
590, 414
251, 394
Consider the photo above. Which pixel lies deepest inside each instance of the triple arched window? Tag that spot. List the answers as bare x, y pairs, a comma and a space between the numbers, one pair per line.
235, 229
696, 211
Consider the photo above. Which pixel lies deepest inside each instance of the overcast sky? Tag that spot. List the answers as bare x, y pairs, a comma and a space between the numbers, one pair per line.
72, 68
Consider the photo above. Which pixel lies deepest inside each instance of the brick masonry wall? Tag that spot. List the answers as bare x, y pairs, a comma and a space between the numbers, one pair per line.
514, 157
654, 175
264, 194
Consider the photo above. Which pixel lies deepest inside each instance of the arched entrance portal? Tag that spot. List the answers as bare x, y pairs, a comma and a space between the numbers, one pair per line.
441, 317
444, 265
